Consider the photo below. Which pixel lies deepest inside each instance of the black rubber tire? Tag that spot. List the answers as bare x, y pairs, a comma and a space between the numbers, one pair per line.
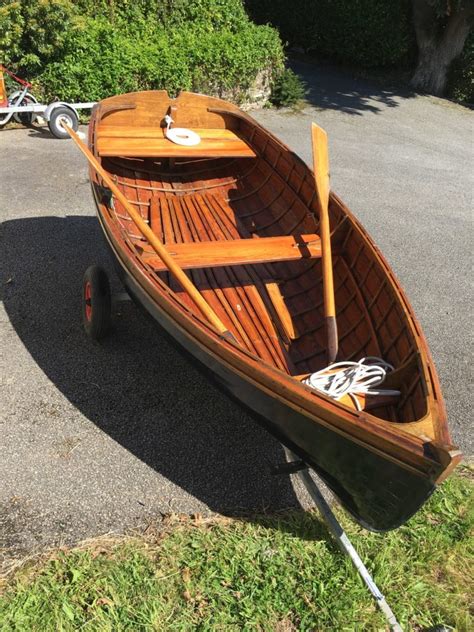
26, 118
59, 113
96, 303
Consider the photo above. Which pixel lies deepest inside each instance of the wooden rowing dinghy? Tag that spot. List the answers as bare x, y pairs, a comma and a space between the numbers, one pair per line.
239, 213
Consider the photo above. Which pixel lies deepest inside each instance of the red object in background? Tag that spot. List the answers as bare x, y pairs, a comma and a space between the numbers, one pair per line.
22, 82
3, 92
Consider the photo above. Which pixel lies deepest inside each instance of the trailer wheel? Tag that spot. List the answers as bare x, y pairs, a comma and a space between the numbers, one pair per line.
96, 303
26, 118
59, 114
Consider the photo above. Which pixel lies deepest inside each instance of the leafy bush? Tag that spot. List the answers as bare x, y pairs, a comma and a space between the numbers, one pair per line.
287, 89
368, 33
40, 30
101, 61
212, 15
93, 49
11, 29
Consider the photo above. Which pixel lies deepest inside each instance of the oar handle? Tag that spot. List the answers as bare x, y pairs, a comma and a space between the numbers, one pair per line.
154, 241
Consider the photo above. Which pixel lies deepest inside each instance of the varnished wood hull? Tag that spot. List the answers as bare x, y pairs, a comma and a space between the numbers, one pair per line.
380, 495
382, 463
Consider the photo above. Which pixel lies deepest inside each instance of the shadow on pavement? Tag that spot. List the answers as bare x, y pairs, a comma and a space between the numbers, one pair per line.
332, 88
135, 386
41, 132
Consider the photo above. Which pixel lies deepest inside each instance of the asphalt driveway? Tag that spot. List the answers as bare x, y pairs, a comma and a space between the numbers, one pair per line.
98, 439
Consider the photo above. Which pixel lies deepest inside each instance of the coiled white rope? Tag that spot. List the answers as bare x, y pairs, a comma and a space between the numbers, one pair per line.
352, 378
180, 135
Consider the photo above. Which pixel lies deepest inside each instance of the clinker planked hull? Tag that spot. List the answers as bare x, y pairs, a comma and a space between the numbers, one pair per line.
242, 220
380, 495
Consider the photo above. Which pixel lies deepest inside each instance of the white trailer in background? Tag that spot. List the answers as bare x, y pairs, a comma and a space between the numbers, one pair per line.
23, 107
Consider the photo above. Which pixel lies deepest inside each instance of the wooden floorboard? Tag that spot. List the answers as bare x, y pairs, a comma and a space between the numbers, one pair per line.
239, 294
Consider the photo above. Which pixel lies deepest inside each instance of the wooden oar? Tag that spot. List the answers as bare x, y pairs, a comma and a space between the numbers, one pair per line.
321, 177
156, 244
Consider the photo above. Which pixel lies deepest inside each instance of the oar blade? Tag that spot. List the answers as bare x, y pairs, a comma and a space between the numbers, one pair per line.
321, 164
321, 177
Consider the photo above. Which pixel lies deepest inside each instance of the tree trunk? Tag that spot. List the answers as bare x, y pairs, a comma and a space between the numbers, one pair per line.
437, 48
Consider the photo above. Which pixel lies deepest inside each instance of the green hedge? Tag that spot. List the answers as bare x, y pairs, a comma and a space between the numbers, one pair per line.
90, 50
366, 33
363, 33
101, 61
211, 15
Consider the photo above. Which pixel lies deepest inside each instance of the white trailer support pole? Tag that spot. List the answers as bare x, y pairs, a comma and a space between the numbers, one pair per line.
343, 541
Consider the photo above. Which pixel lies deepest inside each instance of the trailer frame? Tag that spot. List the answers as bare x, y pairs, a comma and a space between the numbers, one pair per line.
14, 105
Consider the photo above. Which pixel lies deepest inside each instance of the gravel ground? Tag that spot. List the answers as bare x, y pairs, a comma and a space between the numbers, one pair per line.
104, 438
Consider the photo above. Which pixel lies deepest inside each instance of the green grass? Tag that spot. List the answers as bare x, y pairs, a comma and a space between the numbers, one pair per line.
276, 573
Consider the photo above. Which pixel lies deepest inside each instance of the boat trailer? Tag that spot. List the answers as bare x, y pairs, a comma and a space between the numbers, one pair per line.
23, 107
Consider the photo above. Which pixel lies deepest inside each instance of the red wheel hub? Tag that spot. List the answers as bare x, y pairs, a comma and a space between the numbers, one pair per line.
88, 300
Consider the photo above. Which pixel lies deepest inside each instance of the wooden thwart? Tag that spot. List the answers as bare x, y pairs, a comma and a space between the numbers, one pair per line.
151, 142
210, 254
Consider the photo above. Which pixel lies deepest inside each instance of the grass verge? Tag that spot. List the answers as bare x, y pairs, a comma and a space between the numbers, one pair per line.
279, 573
